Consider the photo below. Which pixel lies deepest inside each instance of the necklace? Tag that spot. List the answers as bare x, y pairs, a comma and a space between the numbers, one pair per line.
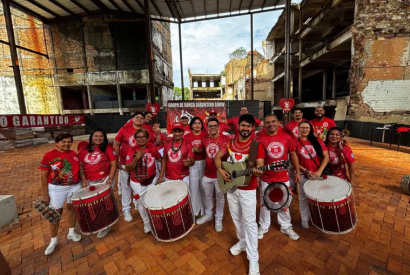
241, 148
209, 139
172, 146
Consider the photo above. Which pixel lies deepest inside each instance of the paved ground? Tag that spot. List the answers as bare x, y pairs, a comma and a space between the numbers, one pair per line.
380, 243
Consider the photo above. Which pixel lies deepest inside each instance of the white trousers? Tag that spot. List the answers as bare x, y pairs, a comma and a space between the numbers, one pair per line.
126, 190
158, 163
196, 173
208, 186
242, 205
291, 173
137, 188
59, 194
284, 218
303, 203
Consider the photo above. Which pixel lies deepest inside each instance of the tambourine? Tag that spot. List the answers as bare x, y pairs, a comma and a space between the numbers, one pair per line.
277, 197
47, 211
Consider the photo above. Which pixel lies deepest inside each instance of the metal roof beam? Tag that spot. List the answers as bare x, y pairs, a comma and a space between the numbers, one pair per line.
112, 2
179, 5
264, 3
28, 11
129, 6
140, 5
75, 2
240, 6
250, 5
193, 10
64, 8
156, 8
43, 8
170, 9
100, 5
205, 7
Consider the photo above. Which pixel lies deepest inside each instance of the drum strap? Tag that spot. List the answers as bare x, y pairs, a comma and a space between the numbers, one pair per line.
252, 154
309, 154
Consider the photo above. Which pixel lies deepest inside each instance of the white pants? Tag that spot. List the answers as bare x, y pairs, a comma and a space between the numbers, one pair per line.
158, 163
196, 173
126, 190
186, 180
138, 189
242, 205
284, 218
59, 194
208, 186
303, 203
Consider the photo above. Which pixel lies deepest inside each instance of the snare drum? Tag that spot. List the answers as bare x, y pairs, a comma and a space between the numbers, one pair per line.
331, 204
95, 210
277, 197
169, 207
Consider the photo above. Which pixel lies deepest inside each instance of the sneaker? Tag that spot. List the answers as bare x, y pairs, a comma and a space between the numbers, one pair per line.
305, 224
238, 248
254, 268
50, 248
204, 219
147, 227
261, 231
103, 233
218, 226
74, 237
289, 231
127, 216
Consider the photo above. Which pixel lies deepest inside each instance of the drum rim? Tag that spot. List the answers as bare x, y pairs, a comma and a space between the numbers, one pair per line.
285, 205
89, 196
179, 200
408, 175
349, 193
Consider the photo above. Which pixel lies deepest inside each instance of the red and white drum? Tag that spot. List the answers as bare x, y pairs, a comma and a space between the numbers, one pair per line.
169, 207
95, 209
331, 204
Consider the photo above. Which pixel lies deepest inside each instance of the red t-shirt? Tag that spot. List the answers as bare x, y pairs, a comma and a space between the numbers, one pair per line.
277, 147
223, 127
175, 168
234, 122
321, 127
147, 127
96, 165
195, 141
292, 128
211, 147
148, 161
63, 167
263, 131
238, 155
303, 156
336, 160
126, 137
154, 138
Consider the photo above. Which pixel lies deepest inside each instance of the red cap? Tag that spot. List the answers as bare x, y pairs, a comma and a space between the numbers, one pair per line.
213, 112
177, 125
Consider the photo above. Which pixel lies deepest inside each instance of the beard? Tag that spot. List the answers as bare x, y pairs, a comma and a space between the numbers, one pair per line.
245, 134
319, 115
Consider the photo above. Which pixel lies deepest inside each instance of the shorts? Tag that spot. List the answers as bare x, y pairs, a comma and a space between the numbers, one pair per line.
59, 194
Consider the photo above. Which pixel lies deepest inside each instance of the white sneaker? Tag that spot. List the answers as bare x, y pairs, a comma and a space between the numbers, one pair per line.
305, 224
261, 231
50, 248
147, 227
103, 233
289, 231
127, 216
238, 248
204, 219
218, 225
74, 236
254, 268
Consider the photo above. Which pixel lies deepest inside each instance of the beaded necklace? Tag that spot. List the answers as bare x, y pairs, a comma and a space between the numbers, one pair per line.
241, 148
209, 139
172, 146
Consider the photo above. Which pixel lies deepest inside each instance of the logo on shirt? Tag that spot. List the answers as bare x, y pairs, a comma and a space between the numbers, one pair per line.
311, 151
325, 124
196, 142
174, 157
333, 158
75, 158
150, 160
93, 158
238, 157
295, 131
131, 141
114, 153
211, 150
127, 157
276, 150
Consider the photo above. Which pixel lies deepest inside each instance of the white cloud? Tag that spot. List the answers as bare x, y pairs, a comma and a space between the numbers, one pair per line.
206, 44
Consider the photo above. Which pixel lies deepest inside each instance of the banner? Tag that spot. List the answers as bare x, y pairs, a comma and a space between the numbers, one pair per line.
192, 108
27, 121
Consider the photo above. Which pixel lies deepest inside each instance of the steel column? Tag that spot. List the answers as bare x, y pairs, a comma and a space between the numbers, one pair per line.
180, 61
287, 48
300, 78
14, 57
334, 83
324, 88
251, 58
149, 50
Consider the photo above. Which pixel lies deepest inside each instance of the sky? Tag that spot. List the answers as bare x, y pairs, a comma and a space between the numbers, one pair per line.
206, 44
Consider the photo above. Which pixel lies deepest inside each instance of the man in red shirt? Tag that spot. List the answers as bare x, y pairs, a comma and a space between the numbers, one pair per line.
278, 146
292, 127
321, 124
122, 142
242, 201
234, 122
178, 156
158, 139
185, 124
223, 127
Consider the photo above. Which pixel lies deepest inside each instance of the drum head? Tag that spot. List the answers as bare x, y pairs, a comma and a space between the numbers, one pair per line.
327, 190
86, 193
277, 196
166, 194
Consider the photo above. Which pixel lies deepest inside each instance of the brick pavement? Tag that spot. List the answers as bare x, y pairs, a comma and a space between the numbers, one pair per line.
380, 243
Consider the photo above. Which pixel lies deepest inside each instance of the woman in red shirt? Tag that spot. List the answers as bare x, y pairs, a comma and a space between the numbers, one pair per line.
341, 157
60, 178
140, 163
313, 158
98, 164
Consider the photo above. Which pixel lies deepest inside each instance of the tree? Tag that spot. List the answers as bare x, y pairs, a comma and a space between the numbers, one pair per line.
178, 93
238, 53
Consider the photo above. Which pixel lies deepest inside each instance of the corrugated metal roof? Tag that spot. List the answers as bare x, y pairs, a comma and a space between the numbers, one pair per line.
174, 10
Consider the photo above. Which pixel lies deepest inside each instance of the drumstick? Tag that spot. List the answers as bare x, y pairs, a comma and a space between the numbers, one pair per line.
138, 196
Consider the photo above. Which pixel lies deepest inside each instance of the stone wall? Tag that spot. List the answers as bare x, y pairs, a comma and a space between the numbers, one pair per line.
380, 71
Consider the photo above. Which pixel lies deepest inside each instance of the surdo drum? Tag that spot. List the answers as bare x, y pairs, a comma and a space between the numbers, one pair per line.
331, 204
95, 209
169, 207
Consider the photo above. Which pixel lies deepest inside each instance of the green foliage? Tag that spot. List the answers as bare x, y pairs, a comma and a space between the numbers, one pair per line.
223, 73
178, 93
238, 53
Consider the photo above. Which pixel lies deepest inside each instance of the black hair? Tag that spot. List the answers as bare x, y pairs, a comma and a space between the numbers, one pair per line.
103, 146
313, 139
195, 118
331, 129
212, 119
148, 112
62, 136
142, 130
247, 118
139, 113
297, 109
277, 117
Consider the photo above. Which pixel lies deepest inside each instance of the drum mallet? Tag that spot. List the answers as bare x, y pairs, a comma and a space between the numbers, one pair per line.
138, 196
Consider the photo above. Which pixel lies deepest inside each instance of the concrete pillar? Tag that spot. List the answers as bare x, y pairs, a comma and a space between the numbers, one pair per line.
84, 94
324, 85
60, 100
334, 83
90, 101
119, 98
300, 79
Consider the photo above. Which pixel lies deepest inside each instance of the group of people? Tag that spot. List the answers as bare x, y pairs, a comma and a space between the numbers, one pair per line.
194, 154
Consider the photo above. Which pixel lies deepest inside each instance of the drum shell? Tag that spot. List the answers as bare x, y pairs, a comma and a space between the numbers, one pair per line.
405, 184
97, 212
